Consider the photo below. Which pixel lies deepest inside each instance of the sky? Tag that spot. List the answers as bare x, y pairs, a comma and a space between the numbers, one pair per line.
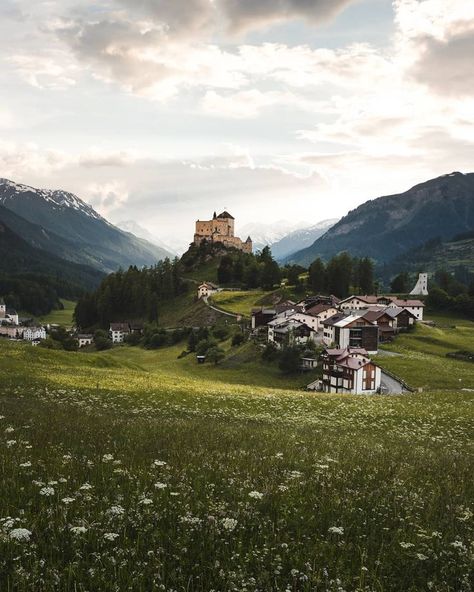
162, 111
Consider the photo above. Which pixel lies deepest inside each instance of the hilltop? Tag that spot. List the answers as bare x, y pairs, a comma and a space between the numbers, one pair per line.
387, 227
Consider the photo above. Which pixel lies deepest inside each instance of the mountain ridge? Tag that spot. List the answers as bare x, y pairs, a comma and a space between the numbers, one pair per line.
95, 241
385, 227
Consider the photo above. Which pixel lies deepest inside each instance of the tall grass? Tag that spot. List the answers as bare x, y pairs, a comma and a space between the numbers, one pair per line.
127, 471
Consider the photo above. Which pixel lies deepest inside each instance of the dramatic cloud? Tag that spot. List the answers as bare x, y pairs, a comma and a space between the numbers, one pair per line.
153, 109
447, 65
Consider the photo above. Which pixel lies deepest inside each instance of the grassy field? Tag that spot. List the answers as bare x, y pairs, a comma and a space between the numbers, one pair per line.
421, 359
136, 470
61, 317
239, 302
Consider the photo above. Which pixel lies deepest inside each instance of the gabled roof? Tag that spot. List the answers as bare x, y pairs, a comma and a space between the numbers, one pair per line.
368, 299
226, 216
404, 303
120, 327
209, 285
317, 309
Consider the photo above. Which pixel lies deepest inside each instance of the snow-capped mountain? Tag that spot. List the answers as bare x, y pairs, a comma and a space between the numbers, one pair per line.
267, 234
300, 239
72, 229
58, 198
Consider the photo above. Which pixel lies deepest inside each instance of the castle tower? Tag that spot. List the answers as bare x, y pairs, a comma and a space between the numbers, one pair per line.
421, 287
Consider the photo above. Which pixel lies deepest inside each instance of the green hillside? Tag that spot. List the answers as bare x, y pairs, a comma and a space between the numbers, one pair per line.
133, 469
386, 227
437, 255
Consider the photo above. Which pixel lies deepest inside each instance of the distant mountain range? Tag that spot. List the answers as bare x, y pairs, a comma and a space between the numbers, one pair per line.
62, 224
135, 228
300, 239
284, 238
387, 227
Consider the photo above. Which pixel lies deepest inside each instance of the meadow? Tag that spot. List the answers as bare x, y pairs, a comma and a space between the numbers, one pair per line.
61, 317
239, 302
136, 470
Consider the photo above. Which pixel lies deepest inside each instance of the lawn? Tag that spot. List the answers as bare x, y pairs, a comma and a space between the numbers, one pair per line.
239, 302
422, 360
136, 470
61, 317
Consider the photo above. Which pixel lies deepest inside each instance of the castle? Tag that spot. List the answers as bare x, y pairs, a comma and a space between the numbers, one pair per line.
221, 230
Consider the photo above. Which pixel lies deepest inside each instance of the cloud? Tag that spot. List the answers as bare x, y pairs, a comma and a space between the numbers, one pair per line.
447, 65
245, 15
106, 197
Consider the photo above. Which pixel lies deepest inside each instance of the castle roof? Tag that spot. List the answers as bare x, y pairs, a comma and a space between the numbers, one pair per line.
225, 215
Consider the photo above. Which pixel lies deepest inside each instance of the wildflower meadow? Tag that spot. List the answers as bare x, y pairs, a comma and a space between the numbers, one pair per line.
116, 476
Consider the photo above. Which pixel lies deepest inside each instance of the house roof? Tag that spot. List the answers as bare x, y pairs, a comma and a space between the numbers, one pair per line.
405, 303
334, 319
209, 285
368, 299
317, 309
85, 336
120, 327
226, 216
394, 311
373, 315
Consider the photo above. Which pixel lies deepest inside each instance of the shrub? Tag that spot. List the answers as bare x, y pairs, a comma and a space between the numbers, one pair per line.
238, 339
290, 360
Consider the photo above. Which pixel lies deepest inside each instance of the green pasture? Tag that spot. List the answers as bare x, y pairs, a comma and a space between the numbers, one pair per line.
135, 470
61, 317
239, 302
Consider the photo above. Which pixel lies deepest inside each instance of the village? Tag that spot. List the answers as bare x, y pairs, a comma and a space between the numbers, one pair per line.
337, 336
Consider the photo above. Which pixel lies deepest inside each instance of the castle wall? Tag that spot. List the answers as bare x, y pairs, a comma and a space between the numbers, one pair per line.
220, 230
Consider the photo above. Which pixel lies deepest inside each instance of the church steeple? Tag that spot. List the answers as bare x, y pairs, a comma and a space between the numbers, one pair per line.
214, 216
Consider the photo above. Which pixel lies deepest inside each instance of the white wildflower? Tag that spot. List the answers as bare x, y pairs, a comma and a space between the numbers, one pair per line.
159, 463
406, 545
78, 529
110, 536
159, 485
68, 500
11, 443
107, 458
85, 487
421, 557
9, 430
256, 495
336, 530
229, 524
20, 534
116, 511
25, 465
46, 491
146, 501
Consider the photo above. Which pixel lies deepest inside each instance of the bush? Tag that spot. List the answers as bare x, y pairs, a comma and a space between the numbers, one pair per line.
158, 340
220, 332
204, 346
270, 353
133, 338
215, 355
238, 339
101, 340
290, 360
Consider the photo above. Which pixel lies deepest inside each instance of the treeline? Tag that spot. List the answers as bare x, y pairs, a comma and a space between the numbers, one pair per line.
249, 271
342, 276
447, 292
36, 294
131, 295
